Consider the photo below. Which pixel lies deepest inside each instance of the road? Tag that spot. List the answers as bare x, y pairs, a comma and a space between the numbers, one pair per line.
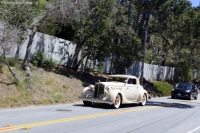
160, 115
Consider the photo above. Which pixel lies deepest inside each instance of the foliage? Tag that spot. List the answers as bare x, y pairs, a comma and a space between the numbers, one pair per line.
49, 64
183, 71
56, 98
17, 15
162, 88
16, 18
116, 29
40, 60
13, 61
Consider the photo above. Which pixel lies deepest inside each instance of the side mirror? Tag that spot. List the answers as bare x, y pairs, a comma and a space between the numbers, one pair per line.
126, 81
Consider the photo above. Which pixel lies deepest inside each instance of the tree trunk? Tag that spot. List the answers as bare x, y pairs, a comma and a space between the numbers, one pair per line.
75, 60
82, 58
27, 55
75, 57
28, 48
5, 60
145, 41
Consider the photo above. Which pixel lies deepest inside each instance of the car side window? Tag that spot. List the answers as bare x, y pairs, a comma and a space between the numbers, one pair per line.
132, 81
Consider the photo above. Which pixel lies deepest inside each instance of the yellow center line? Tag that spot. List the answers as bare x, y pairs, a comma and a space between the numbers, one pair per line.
5, 129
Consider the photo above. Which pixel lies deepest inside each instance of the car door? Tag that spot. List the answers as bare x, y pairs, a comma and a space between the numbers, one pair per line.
131, 90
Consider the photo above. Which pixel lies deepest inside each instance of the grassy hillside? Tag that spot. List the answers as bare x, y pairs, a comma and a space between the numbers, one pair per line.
45, 87
61, 86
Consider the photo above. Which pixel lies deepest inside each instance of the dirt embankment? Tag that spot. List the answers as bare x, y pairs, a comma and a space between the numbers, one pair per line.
44, 88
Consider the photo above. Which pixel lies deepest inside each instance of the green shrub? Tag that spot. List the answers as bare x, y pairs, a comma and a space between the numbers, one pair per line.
56, 98
163, 88
12, 61
35, 62
39, 59
49, 64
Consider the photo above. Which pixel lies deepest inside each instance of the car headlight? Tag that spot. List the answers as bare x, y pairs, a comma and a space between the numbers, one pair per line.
107, 89
187, 91
91, 86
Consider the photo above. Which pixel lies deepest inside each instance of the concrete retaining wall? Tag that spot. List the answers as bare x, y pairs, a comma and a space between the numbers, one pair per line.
63, 51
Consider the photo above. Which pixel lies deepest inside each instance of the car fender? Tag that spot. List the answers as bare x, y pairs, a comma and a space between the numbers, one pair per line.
88, 91
141, 93
114, 93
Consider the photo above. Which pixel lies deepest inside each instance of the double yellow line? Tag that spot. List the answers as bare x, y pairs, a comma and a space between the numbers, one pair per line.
28, 126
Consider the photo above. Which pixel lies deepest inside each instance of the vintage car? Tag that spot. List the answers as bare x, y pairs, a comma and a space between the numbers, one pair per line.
117, 90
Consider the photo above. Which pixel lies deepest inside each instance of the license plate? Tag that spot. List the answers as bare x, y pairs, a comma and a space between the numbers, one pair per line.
179, 94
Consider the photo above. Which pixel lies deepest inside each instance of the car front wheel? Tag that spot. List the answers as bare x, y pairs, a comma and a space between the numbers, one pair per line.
190, 97
117, 102
173, 97
144, 100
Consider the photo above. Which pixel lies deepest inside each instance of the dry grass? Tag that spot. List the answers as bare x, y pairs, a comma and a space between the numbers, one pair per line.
44, 88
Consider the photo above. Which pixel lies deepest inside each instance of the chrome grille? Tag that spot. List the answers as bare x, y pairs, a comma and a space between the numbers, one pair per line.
99, 91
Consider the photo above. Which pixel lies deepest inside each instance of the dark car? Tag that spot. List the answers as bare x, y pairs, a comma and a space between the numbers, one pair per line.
185, 90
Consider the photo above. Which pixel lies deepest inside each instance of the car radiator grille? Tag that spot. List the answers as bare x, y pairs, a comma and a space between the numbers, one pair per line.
99, 91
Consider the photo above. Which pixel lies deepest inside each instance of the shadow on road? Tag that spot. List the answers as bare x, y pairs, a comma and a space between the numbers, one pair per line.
96, 105
149, 103
169, 105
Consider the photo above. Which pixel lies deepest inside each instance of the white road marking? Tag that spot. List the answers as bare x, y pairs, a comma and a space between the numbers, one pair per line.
194, 130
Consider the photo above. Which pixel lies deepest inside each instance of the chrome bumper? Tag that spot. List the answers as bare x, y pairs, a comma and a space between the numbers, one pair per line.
95, 100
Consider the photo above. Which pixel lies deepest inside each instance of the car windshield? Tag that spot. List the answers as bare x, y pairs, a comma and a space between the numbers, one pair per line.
184, 86
116, 79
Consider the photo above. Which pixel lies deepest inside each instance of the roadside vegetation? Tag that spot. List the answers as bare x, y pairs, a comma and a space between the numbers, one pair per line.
43, 88
165, 33
51, 87
162, 88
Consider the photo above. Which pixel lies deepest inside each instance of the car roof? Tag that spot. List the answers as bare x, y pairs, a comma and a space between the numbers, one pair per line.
121, 76
186, 83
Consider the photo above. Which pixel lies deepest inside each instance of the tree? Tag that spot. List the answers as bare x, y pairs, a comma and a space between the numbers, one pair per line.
14, 20
9, 36
32, 26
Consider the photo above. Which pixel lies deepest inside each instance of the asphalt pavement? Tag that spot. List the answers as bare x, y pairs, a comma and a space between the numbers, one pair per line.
160, 115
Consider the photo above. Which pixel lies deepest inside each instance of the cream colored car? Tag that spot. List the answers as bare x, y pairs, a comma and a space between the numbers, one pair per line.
117, 90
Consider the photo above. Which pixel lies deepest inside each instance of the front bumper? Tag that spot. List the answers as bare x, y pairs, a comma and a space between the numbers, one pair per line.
181, 95
95, 100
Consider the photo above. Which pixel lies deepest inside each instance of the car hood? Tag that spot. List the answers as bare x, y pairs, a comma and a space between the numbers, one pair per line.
112, 83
